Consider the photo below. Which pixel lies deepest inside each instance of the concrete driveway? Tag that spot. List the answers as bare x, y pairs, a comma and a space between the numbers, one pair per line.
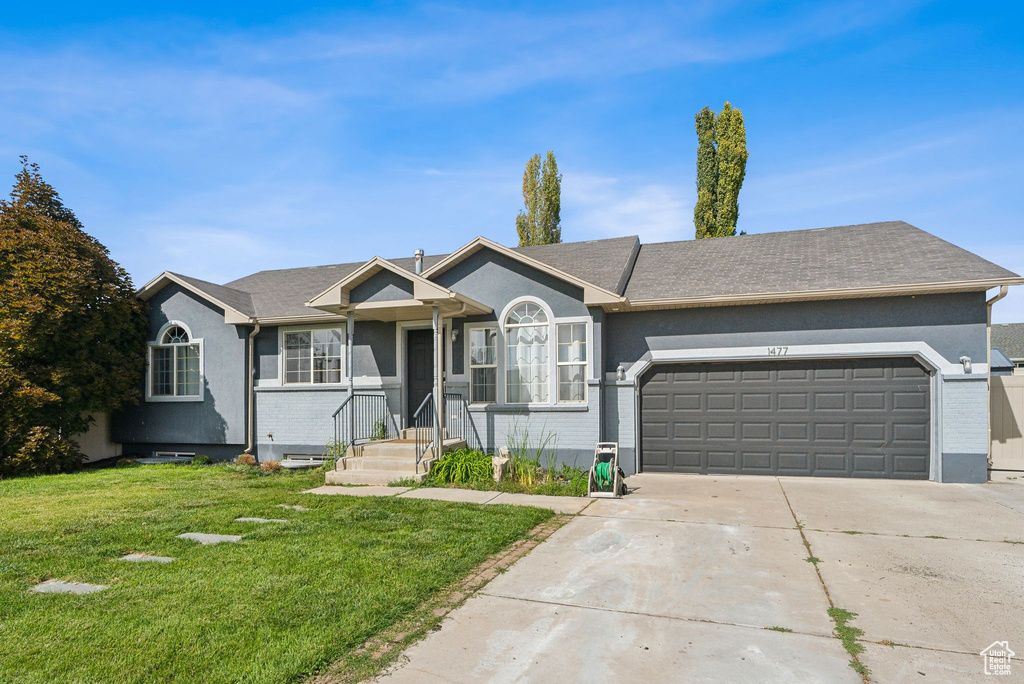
706, 578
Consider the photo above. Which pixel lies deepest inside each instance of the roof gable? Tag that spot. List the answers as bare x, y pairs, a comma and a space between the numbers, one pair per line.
592, 294
236, 304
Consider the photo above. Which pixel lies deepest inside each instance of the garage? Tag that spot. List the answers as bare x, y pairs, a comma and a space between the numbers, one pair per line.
825, 418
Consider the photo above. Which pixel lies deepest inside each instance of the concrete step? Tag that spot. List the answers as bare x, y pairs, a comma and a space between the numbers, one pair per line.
410, 433
371, 477
399, 448
393, 464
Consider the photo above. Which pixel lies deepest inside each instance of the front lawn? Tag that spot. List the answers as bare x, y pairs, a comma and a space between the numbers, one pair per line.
282, 603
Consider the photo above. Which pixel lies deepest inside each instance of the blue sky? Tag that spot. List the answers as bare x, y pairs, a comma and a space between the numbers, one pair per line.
220, 141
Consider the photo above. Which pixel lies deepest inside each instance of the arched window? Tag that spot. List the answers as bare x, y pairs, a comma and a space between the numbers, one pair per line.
527, 367
174, 366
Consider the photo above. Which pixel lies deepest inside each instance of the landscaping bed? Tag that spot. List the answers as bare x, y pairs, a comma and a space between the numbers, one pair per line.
472, 469
279, 605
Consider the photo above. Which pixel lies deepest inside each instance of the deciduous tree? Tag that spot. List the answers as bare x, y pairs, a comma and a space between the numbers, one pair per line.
721, 167
72, 333
540, 223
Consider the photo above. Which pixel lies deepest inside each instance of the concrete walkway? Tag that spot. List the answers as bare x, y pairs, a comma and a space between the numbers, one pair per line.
695, 578
571, 505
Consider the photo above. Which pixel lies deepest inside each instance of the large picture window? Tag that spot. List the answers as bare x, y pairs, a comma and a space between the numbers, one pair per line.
312, 356
174, 365
483, 365
526, 337
572, 362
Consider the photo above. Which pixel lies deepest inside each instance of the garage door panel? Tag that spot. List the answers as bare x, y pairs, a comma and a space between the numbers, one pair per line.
686, 401
869, 432
720, 460
756, 431
756, 401
757, 460
793, 401
869, 401
721, 402
794, 463
687, 460
830, 401
852, 418
909, 400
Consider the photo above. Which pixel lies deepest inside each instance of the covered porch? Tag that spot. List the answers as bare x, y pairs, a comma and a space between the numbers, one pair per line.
376, 442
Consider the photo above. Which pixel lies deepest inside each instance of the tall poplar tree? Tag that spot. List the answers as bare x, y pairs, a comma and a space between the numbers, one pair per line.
721, 167
540, 223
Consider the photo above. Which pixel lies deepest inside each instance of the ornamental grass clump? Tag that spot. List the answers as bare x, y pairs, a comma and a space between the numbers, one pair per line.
464, 466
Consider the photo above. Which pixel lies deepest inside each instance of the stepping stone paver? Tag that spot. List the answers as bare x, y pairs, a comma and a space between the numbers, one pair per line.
59, 587
261, 520
294, 508
204, 538
145, 558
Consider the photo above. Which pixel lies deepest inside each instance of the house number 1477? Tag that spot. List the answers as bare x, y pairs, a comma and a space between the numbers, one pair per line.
777, 351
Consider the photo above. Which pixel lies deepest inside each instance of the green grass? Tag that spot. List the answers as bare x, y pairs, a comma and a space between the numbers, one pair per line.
283, 603
778, 629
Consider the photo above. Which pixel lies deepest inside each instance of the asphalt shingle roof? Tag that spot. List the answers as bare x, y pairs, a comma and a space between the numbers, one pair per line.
843, 257
1009, 337
235, 298
279, 293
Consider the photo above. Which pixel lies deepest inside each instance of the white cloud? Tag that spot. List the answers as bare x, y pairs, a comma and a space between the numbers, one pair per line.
598, 206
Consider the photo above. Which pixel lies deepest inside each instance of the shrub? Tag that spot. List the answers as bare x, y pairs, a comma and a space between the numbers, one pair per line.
462, 467
270, 466
246, 460
201, 459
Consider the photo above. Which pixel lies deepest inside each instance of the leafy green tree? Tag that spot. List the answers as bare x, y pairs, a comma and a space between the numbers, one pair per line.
721, 167
72, 333
707, 174
540, 222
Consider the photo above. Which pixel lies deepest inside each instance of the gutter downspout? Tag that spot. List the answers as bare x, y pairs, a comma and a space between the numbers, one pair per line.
250, 417
1003, 289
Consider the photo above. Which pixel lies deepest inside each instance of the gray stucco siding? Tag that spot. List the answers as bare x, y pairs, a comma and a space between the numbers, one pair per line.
573, 431
495, 280
952, 324
373, 350
383, 286
220, 417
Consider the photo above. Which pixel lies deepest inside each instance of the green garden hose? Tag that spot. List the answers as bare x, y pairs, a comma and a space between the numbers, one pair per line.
603, 473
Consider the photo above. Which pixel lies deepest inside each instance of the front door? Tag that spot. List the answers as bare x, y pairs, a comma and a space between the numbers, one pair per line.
419, 370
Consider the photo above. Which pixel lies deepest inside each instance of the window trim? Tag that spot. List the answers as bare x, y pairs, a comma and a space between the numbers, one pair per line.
282, 331
585, 362
470, 366
502, 325
553, 322
151, 345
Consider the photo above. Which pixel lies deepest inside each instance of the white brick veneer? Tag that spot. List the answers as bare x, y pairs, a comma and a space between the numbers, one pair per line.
965, 416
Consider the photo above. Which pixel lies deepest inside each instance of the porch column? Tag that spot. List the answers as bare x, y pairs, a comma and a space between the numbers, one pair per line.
438, 383
350, 328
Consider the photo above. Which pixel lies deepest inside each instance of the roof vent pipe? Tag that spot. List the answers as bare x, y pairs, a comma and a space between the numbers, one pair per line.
418, 254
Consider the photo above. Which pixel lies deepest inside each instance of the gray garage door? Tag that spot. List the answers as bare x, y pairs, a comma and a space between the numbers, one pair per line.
833, 418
